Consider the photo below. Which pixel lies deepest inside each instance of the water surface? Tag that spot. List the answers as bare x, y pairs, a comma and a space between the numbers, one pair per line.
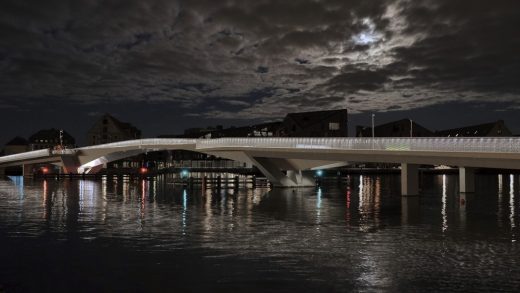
355, 235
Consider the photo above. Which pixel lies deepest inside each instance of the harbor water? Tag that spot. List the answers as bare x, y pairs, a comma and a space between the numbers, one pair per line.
358, 234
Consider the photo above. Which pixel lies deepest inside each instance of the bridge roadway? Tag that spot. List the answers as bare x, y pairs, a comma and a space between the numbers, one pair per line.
274, 155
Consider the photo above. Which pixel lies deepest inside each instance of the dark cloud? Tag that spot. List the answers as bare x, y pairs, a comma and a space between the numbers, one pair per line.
259, 59
353, 81
466, 45
262, 69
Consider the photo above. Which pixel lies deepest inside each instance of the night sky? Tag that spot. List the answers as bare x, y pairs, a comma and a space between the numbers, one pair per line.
168, 65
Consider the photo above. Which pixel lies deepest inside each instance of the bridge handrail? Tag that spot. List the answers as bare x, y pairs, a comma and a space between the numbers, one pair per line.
26, 156
444, 144
143, 142
64, 152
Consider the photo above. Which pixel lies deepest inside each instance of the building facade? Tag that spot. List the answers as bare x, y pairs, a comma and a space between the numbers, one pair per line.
492, 129
51, 138
16, 145
109, 129
332, 123
399, 128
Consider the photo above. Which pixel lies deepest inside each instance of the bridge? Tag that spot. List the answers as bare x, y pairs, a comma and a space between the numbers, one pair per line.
285, 161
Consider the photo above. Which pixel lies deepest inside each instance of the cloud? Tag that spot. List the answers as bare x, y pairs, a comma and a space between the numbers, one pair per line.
260, 59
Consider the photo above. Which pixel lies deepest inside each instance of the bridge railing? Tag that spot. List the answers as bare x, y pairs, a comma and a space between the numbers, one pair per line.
434, 144
64, 152
145, 142
26, 156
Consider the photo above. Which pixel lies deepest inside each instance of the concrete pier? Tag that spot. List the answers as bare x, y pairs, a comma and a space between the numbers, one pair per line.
292, 178
27, 170
466, 179
409, 179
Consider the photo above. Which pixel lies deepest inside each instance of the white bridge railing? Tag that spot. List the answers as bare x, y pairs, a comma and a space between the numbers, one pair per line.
26, 156
434, 144
145, 143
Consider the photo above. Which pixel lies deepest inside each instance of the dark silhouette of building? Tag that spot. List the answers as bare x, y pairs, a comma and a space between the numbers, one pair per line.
258, 130
492, 129
399, 128
109, 129
16, 145
199, 132
332, 123
50, 138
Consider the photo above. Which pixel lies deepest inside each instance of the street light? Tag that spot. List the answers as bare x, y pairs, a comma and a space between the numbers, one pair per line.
373, 132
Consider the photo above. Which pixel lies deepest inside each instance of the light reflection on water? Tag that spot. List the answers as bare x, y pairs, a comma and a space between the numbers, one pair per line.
360, 236
444, 204
512, 204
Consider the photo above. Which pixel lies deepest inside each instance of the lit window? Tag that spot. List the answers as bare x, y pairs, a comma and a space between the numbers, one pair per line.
333, 126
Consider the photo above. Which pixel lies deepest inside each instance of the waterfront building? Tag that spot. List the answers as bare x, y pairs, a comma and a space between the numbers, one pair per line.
50, 138
16, 145
492, 129
400, 128
109, 129
331, 123
258, 130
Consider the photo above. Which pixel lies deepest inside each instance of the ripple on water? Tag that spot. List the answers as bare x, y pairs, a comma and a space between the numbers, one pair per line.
358, 237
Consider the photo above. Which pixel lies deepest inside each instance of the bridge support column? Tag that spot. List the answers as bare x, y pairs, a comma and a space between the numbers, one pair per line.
273, 173
95, 169
409, 179
301, 178
27, 170
70, 164
466, 179
2, 172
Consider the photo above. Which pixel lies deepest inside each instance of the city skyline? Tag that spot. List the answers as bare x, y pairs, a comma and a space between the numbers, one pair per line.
165, 66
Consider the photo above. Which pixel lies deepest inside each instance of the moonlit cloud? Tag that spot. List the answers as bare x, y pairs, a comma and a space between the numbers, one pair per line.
369, 35
259, 59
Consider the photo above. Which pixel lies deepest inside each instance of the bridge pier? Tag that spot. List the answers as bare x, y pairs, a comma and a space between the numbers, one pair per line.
294, 178
70, 164
409, 179
2, 172
466, 179
27, 170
